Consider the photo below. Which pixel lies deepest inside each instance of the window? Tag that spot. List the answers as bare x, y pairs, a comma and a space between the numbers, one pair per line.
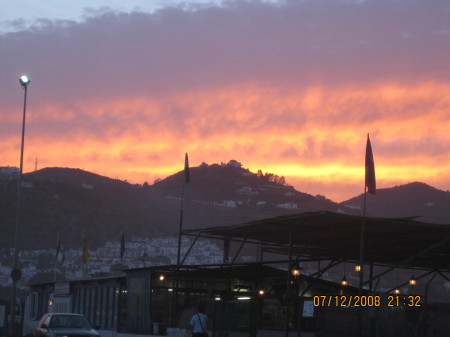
47, 320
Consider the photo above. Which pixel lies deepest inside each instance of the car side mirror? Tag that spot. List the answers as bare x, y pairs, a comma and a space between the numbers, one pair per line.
44, 326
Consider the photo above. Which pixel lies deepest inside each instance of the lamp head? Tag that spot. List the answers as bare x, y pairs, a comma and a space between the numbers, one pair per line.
296, 272
24, 80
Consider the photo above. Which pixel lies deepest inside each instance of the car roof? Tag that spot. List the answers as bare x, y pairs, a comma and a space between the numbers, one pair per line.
64, 313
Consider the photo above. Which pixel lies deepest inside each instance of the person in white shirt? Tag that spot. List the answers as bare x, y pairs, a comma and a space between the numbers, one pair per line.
199, 322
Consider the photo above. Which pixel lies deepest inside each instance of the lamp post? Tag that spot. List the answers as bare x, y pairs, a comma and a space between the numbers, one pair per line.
16, 273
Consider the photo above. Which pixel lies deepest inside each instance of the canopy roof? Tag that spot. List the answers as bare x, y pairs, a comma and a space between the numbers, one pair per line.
325, 235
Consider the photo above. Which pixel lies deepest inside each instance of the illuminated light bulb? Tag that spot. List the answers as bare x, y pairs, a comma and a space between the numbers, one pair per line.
296, 272
24, 80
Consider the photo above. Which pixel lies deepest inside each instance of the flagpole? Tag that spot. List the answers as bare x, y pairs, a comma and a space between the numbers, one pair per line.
180, 229
85, 254
361, 262
369, 186
83, 261
122, 245
362, 244
56, 259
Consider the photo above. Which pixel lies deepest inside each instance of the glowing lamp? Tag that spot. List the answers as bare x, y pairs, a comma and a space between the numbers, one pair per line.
261, 292
412, 281
161, 277
358, 268
24, 80
344, 282
397, 291
296, 272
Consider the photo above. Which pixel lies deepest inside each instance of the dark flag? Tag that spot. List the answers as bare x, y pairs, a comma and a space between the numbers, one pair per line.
59, 256
370, 168
122, 245
85, 249
186, 168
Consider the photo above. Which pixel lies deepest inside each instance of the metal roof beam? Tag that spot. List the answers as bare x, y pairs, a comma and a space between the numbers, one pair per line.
411, 258
190, 248
239, 251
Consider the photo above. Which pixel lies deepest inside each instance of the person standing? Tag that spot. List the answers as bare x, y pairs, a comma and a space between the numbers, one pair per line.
198, 323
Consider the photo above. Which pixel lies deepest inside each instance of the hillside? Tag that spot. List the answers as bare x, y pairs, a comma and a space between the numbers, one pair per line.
66, 202
416, 199
219, 183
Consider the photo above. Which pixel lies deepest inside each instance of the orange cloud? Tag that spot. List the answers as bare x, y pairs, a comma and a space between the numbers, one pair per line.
295, 97
311, 136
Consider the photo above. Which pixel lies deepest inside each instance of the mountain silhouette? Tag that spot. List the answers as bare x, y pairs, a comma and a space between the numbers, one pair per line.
68, 202
419, 200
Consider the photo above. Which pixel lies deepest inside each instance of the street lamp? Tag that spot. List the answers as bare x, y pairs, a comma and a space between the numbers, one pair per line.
16, 273
24, 80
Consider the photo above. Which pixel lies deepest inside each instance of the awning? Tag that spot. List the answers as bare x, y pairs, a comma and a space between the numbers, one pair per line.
334, 236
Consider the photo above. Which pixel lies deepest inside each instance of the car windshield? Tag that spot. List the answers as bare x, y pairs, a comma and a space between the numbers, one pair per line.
70, 321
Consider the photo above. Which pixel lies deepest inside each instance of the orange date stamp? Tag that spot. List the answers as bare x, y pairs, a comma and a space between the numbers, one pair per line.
366, 301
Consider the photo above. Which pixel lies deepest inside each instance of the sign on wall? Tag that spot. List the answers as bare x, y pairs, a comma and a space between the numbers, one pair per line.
308, 309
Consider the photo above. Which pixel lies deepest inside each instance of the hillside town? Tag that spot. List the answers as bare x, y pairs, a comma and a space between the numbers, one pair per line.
105, 260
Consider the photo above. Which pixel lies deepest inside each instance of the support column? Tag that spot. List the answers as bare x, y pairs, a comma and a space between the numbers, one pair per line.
226, 251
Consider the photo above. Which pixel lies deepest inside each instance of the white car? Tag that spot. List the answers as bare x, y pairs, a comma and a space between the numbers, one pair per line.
64, 324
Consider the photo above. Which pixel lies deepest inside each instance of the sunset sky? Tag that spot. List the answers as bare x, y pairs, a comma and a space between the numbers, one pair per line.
288, 87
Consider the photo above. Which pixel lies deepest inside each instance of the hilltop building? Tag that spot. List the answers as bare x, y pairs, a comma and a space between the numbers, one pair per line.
9, 172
